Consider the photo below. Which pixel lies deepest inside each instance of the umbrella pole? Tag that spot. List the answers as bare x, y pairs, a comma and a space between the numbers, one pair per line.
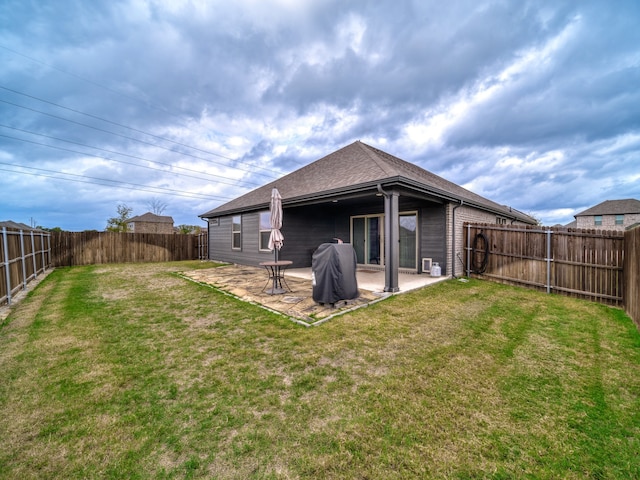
275, 269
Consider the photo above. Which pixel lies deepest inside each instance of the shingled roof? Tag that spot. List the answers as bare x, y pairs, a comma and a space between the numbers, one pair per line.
151, 218
358, 167
613, 207
17, 226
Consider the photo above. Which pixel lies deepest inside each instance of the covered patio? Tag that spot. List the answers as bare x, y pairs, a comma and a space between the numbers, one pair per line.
250, 284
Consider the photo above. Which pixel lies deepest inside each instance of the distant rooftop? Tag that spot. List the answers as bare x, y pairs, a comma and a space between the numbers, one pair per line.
613, 207
17, 226
152, 218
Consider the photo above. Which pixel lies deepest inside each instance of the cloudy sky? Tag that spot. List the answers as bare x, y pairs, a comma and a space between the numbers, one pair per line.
188, 104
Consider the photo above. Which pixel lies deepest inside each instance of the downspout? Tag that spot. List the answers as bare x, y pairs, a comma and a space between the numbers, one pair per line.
453, 239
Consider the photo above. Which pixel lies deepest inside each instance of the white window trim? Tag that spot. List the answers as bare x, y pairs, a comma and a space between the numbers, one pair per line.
234, 233
261, 231
415, 255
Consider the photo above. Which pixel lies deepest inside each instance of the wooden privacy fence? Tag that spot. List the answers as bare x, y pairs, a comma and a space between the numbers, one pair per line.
579, 263
203, 246
24, 255
90, 248
632, 274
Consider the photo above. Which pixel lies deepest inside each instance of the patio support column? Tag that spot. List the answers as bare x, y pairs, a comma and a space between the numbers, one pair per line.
392, 241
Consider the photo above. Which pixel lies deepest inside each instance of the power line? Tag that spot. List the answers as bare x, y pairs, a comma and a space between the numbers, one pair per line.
117, 92
253, 167
110, 183
234, 183
53, 67
119, 135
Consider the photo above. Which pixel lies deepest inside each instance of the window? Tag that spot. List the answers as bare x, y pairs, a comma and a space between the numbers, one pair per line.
501, 221
265, 230
408, 240
619, 219
236, 232
597, 220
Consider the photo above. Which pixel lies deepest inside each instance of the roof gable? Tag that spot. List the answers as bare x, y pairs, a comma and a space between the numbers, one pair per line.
151, 218
613, 207
356, 165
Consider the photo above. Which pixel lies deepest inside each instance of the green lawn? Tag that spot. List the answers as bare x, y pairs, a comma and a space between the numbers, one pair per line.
129, 371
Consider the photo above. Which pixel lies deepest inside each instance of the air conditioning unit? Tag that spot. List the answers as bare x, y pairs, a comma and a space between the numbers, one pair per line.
426, 265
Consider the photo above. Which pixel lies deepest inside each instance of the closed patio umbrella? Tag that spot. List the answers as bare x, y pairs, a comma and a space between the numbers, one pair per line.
276, 239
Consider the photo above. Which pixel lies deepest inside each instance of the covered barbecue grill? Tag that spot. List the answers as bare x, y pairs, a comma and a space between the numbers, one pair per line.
333, 267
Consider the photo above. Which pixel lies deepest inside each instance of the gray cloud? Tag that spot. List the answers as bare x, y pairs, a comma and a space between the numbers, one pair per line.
532, 104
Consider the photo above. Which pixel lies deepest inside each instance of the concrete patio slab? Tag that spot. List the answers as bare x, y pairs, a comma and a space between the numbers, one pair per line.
250, 284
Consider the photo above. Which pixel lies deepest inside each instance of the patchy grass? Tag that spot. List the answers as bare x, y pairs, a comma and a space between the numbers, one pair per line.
129, 371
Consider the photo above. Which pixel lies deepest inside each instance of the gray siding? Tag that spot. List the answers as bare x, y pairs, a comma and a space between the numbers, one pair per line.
433, 235
305, 228
220, 241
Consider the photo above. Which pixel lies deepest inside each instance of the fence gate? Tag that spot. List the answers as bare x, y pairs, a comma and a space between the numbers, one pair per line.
203, 246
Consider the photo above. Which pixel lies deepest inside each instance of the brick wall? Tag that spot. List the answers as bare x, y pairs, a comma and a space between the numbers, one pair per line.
608, 221
465, 214
152, 227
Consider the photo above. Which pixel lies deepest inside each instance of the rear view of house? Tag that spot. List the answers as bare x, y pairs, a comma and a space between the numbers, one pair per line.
150, 223
394, 213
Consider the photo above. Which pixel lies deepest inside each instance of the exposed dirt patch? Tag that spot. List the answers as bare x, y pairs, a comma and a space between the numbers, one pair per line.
5, 309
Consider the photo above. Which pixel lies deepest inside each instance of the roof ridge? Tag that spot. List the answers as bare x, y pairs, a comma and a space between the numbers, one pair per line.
380, 162
359, 166
149, 215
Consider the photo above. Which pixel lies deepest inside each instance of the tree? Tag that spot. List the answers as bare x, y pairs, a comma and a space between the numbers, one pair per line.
538, 221
119, 223
156, 206
188, 229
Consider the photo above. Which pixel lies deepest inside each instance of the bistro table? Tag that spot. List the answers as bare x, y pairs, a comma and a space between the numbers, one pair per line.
276, 276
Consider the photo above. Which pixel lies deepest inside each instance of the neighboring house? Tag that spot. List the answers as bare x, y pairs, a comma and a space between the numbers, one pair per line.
610, 215
150, 223
10, 224
394, 213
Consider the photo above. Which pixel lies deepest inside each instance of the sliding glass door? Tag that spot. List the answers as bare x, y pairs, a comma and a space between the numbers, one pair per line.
367, 238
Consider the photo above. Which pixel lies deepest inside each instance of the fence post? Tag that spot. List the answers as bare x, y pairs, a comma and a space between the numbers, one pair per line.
548, 232
33, 253
6, 263
468, 250
24, 260
44, 267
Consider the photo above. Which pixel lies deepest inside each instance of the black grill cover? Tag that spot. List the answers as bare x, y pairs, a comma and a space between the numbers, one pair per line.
334, 273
